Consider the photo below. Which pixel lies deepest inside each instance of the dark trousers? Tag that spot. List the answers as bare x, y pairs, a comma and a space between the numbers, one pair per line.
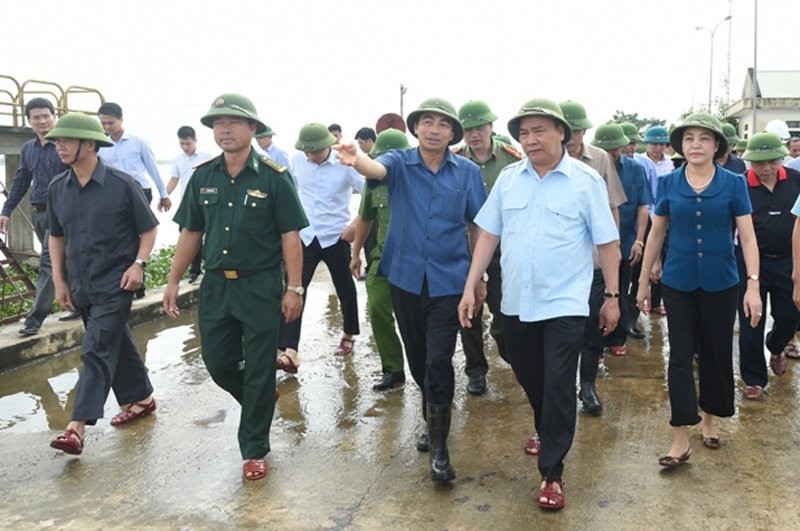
775, 280
627, 318
45, 292
472, 338
110, 359
544, 356
593, 336
337, 258
700, 322
428, 326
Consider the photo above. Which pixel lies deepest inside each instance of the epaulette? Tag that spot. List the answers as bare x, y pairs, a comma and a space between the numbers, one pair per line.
511, 150
205, 162
278, 167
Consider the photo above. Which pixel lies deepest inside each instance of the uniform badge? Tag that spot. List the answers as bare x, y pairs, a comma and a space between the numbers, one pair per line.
219, 102
258, 194
208, 190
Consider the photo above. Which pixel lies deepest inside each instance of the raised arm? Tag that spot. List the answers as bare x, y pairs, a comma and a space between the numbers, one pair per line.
349, 156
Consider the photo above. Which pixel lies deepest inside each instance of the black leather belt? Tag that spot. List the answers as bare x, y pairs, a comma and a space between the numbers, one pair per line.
776, 256
232, 274
38, 208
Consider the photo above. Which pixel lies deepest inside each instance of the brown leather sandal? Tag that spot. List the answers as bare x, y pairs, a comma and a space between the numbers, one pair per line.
69, 442
549, 497
345, 347
129, 415
254, 469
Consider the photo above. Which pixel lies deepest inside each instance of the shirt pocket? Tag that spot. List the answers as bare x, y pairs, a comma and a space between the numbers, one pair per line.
516, 217
207, 200
563, 220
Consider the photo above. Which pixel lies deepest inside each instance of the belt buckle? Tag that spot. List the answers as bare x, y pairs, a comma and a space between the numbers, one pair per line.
230, 274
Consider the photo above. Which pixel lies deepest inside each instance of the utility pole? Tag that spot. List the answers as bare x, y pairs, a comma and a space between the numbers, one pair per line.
712, 32
755, 64
728, 74
403, 90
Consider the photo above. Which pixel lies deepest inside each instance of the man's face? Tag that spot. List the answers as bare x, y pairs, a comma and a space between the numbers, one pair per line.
794, 148
111, 125
629, 150
318, 157
264, 141
575, 143
188, 145
338, 135
365, 144
434, 132
541, 140
655, 151
699, 145
480, 137
42, 121
233, 134
67, 148
766, 170
615, 154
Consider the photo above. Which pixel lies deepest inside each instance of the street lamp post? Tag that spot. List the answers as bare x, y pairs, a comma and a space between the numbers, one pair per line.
712, 32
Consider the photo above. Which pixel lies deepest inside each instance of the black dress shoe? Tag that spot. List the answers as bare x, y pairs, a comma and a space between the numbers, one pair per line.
477, 384
29, 330
390, 380
635, 333
74, 314
193, 278
589, 399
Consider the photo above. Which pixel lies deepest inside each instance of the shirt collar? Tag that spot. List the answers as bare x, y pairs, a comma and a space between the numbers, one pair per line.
98, 175
564, 166
754, 182
414, 157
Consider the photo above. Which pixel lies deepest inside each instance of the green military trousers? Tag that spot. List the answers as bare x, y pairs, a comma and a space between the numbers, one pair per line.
239, 322
381, 316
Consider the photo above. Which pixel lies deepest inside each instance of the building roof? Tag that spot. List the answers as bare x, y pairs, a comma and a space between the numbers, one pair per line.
773, 84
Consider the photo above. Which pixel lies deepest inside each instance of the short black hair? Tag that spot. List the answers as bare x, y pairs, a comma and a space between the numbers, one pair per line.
186, 131
335, 127
110, 109
38, 103
366, 133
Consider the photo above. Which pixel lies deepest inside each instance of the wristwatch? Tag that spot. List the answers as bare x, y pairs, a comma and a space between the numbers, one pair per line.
754, 278
297, 289
141, 263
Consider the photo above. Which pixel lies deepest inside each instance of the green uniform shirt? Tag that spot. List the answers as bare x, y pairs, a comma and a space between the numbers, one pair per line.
502, 155
243, 218
375, 207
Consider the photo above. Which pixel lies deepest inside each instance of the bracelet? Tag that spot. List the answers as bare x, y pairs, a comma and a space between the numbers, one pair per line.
640, 243
609, 295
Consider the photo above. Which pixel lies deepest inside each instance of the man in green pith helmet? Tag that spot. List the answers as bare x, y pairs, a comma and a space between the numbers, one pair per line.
101, 233
374, 210
482, 148
245, 210
729, 160
264, 141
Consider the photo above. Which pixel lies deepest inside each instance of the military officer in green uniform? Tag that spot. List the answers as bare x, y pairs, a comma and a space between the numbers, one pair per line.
247, 208
491, 155
375, 209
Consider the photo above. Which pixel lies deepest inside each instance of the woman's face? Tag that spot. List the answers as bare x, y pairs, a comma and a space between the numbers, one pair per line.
699, 145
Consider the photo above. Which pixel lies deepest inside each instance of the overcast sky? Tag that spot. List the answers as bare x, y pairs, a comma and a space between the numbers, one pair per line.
300, 61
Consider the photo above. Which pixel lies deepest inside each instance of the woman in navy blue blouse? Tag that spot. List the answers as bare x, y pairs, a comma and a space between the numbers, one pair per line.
701, 203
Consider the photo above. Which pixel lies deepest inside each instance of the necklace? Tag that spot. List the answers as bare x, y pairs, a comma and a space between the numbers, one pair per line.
701, 187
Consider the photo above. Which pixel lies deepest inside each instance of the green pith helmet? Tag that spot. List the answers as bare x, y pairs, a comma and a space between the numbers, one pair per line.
699, 119
314, 137
656, 134
267, 132
741, 145
475, 113
610, 137
81, 127
631, 132
539, 107
575, 114
765, 146
438, 106
730, 133
233, 105
388, 140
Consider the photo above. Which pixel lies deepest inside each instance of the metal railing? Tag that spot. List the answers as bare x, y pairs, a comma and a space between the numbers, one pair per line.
14, 95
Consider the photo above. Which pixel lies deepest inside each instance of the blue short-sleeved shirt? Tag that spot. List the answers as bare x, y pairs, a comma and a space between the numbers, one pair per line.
700, 247
427, 236
547, 227
637, 190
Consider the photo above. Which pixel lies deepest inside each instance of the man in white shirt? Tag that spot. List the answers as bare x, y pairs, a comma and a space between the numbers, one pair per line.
264, 141
182, 170
325, 187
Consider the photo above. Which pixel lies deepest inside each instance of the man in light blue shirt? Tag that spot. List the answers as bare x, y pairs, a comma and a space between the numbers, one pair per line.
546, 212
325, 188
266, 144
131, 154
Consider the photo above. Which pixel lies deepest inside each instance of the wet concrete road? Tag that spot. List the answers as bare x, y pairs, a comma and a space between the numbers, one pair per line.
343, 455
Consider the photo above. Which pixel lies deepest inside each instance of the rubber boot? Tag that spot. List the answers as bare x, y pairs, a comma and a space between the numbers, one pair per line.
422, 442
589, 399
438, 430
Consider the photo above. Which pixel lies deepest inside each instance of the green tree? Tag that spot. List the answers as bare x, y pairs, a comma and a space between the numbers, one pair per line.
640, 123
